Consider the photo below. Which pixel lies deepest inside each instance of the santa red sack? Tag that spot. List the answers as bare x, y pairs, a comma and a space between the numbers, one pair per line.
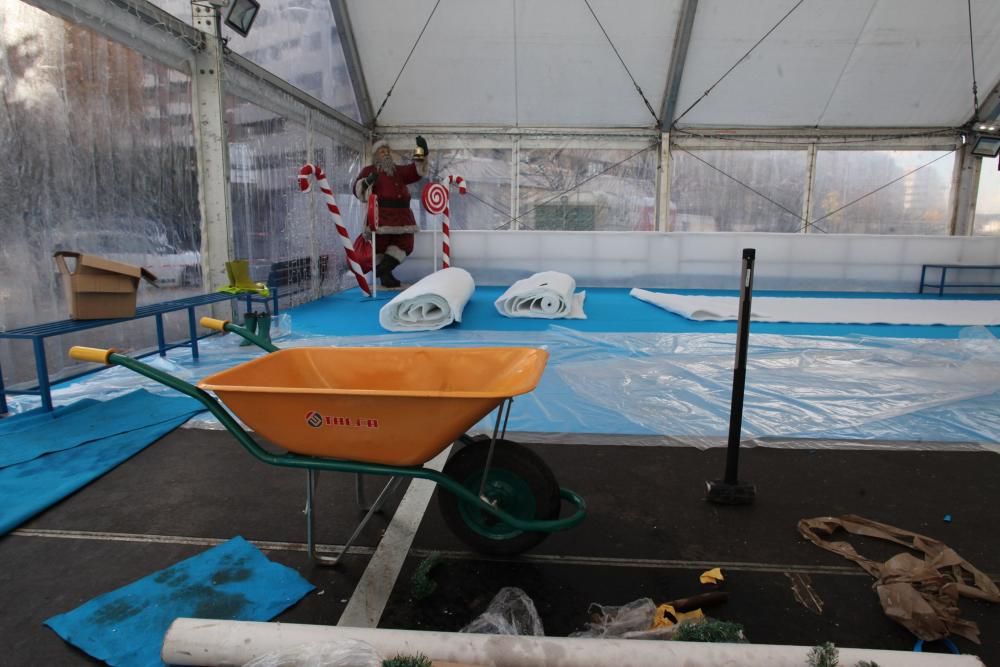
363, 252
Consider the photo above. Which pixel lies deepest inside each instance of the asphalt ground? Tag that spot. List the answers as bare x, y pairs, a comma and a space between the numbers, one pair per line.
649, 533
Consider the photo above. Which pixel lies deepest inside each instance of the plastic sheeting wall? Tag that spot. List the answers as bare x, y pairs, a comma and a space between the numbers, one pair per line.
608, 183
98, 156
549, 182
917, 203
342, 159
278, 229
704, 198
988, 202
483, 162
295, 39
568, 183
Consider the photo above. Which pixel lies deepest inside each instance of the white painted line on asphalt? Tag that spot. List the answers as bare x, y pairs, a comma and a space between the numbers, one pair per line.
366, 605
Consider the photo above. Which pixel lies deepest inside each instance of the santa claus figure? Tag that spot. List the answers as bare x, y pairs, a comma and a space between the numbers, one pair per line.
396, 225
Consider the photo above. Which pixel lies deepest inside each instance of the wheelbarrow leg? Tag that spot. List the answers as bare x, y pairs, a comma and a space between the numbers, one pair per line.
359, 492
330, 561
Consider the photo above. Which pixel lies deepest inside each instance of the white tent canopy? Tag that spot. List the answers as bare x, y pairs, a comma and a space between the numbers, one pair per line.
854, 63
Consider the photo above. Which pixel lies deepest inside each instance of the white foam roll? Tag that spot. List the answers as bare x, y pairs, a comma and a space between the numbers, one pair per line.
432, 303
950, 312
546, 295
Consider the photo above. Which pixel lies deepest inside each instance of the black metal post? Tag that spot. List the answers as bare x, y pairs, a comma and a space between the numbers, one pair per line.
730, 490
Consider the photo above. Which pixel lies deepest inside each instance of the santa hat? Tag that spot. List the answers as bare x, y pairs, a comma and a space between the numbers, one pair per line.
379, 144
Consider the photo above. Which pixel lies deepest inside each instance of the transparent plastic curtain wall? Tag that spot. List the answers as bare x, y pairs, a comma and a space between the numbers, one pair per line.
296, 40
98, 156
543, 181
288, 237
764, 191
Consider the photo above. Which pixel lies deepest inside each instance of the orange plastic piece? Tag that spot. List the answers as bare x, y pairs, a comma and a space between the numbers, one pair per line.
214, 324
92, 354
392, 405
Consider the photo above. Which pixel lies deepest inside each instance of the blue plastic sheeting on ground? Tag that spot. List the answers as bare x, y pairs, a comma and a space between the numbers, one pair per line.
608, 309
74, 425
233, 581
29, 420
927, 384
28, 488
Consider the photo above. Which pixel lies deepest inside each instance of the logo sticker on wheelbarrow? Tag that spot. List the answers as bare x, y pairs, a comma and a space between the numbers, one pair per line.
316, 420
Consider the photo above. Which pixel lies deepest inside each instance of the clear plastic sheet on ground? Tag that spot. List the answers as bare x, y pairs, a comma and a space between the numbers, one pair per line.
805, 387
647, 388
510, 612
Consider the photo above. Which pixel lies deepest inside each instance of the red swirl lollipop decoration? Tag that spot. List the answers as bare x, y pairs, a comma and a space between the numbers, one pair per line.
435, 198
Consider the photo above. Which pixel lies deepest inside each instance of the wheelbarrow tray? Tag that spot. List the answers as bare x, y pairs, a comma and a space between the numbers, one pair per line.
389, 405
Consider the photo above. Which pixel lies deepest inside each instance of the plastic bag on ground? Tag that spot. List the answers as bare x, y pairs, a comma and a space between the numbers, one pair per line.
344, 653
511, 612
624, 622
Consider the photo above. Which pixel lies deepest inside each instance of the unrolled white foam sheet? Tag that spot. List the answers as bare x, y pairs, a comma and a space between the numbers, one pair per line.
432, 303
952, 312
548, 295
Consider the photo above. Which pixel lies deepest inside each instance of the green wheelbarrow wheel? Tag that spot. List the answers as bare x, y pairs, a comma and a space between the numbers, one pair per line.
519, 482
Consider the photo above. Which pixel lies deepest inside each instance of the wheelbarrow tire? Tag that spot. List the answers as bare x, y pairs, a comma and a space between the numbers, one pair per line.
519, 481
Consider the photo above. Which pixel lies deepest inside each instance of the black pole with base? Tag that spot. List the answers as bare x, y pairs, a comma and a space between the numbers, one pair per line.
732, 491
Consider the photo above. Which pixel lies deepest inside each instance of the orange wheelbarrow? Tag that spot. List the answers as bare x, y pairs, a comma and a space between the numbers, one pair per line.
387, 411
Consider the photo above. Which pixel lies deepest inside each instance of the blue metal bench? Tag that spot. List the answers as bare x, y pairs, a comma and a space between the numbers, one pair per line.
942, 283
39, 332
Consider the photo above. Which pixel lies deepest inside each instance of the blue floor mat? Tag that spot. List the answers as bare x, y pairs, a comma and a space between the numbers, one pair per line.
32, 435
233, 581
30, 419
28, 487
608, 309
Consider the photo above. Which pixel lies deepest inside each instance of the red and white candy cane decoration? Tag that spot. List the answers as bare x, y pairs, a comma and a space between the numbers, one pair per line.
459, 181
446, 223
331, 205
435, 200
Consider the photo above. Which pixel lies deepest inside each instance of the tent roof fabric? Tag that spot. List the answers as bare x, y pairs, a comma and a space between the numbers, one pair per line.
852, 63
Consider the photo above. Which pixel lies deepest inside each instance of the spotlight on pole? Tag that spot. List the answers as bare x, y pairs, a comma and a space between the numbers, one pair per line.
731, 490
241, 15
986, 146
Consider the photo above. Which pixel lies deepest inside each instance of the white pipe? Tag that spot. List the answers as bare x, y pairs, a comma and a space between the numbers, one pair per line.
212, 643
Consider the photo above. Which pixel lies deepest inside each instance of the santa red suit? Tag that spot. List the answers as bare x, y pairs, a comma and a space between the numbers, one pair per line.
396, 225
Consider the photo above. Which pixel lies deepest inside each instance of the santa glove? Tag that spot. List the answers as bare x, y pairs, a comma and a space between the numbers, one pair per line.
370, 179
422, 143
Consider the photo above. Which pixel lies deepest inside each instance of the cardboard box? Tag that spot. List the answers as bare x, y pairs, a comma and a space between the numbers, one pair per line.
99, 288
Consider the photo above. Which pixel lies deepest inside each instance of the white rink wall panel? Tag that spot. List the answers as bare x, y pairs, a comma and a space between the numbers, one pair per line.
711, 260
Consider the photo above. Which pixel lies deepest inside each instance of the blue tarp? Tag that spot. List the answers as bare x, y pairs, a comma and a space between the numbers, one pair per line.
49, 469
233, 581
30, 436
608, 309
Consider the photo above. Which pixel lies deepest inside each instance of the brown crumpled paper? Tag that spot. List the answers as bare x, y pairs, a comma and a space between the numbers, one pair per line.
921, 595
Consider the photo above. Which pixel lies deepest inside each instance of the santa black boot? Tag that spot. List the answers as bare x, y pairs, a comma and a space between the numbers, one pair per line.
384, 271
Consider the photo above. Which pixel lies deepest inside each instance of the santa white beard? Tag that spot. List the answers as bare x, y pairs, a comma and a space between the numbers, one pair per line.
385, 165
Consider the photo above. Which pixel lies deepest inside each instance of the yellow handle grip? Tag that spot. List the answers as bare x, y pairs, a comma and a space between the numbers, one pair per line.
93, 354
214, 324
